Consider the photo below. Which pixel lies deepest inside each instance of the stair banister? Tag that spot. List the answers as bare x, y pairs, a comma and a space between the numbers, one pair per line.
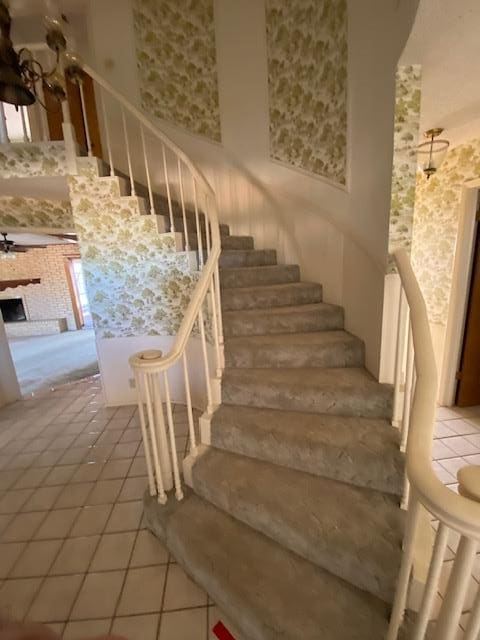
151, 369
453, 511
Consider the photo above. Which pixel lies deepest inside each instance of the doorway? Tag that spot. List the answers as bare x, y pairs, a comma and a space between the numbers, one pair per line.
55, 118
46, 322
468, 376
78, 291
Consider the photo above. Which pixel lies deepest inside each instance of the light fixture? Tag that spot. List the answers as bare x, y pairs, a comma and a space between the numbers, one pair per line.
7, 252
435, 149
20, 72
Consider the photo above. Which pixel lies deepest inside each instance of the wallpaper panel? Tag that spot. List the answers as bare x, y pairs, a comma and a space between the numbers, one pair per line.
307, 84
406, 132
176, 59
435, 227
35, 212
20, 159
137, 284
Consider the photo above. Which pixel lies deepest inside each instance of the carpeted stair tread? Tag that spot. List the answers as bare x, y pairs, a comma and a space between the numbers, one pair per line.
293, 319
361, 451
247, 258
227, 242
341, 391
269, 296
352, 532
254, 276
265, 590
311, 349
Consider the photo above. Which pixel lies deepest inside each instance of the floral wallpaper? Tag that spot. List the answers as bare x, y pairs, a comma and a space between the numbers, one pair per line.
176, 59
33, 159
307, 84
137, 284
35, 212
406, 131
435, 227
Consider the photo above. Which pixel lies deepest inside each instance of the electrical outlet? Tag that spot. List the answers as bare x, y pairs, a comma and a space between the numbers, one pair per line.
131, 383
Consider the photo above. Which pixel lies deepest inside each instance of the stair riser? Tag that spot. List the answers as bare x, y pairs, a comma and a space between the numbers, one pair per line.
302, 454
232, 259
258, 324
350, 354
192, 227
237, 299
233, 278
230, 243
371, 402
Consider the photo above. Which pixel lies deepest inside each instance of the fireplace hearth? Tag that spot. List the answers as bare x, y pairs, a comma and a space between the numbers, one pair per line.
12, 310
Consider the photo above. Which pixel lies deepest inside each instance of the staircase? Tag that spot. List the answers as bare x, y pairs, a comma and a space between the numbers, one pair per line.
292, 524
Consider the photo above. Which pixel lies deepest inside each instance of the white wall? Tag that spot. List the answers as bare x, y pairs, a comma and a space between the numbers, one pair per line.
9, 389
117, 376
338, 235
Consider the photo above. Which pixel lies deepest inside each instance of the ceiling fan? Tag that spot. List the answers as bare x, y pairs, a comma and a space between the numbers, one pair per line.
9, 247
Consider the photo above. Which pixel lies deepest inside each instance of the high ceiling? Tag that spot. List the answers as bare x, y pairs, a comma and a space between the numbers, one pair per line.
445, 40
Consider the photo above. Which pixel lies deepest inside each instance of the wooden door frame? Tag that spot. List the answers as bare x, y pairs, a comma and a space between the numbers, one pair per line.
459, 293
74, 295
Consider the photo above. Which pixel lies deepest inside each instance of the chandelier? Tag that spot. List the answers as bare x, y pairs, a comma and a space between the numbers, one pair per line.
435, 149
20, 72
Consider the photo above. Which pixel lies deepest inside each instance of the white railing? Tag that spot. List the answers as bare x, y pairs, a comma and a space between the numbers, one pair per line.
152, 159
414, 411
14, 125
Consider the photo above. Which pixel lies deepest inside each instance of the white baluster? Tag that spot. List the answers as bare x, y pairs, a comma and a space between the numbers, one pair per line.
399, 358
40, 113
162, 496
127, 148
197, 224
207, 228
219, 305
173, 447
407, 395
472, 631
167, 184
454, 598
24, 124
213, 304
146, 445
205, 361
85, 119
430, 590
191, 426
182, 201
3, 125
400, 600
161, 433
107, 134
147, 170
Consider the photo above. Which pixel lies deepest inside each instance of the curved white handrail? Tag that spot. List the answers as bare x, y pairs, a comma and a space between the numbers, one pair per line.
202, 286
151, 127
456, 511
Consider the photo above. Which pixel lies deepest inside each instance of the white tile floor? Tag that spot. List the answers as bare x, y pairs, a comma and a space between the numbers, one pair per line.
74, 552
456, 444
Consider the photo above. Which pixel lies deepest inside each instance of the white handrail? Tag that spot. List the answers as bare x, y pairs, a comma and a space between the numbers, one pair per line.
140, 116
446, 505
152, 368
455, 512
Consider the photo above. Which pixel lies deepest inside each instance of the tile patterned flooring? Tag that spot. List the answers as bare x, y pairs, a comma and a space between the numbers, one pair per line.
74, 551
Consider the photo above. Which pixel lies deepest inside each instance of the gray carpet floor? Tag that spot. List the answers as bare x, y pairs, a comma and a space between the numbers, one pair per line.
42, 362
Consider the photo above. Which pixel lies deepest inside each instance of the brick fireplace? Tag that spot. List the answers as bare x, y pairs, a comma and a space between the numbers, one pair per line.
43, 305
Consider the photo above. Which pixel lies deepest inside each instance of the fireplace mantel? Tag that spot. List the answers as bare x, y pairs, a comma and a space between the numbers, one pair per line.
11, 284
